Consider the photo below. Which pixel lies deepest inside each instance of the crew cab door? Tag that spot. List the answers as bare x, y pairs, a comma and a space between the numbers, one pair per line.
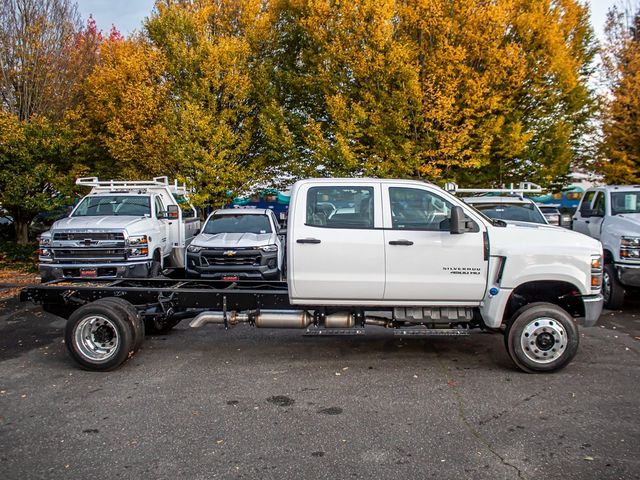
337, 253
163, 226
424, 261
582, 218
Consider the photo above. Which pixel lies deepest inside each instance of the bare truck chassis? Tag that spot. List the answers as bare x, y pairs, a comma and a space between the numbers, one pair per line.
107, 319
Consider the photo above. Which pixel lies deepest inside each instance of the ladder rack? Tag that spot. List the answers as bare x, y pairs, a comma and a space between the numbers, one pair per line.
113, 185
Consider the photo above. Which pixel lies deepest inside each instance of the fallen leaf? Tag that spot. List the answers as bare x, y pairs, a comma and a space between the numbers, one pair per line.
588, 459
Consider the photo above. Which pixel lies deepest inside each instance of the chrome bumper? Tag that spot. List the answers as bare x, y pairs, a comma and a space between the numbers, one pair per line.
629, 275
592, 309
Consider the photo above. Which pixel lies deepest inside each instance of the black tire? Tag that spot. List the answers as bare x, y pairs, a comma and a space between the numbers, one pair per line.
612, 289
155, 270
98, 337
541, 337
129, 312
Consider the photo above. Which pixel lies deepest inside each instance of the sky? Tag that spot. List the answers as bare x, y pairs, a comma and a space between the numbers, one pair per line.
128, 15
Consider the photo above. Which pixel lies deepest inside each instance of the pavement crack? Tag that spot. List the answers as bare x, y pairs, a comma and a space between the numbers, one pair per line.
465, 421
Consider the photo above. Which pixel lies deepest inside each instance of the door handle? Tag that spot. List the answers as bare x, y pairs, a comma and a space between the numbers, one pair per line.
587, 221
400, 242
307, 240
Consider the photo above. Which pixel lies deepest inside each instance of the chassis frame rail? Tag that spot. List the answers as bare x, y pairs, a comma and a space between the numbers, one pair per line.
178, 294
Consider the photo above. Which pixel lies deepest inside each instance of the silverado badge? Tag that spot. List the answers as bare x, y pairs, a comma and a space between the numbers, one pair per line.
229, 253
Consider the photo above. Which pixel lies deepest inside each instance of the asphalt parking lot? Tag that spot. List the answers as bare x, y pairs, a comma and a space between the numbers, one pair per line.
268, 404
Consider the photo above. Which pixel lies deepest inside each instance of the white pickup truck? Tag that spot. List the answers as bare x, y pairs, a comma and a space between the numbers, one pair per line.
398, 254
611, 214
121, 229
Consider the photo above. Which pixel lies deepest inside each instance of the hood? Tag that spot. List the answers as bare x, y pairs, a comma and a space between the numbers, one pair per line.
112, 222
624, 223
538, 239
233, 240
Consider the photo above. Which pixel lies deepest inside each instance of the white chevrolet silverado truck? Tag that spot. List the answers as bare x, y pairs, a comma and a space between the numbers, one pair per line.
612, 215
120, 229
369, 253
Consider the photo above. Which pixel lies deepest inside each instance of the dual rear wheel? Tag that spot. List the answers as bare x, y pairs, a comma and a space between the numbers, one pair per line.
104, 334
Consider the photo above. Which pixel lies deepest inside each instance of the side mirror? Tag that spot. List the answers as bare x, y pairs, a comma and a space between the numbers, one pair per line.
283, 232
173, 212
458, 223
197, 232
161, 214
588, 212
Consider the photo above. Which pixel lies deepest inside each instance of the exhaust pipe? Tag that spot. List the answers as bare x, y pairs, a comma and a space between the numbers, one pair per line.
265, 319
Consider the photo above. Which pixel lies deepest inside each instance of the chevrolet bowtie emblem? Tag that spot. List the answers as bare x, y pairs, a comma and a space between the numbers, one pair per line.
229, 253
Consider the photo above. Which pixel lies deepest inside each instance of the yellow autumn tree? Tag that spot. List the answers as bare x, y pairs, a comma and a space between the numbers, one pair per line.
620, 162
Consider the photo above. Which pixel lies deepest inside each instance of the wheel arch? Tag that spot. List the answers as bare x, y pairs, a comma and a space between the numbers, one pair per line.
563, 294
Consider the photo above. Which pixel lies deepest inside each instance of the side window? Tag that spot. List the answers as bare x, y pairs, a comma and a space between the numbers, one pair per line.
185, 206
599, 203
159, 206
586, 201
340, 207
415, 209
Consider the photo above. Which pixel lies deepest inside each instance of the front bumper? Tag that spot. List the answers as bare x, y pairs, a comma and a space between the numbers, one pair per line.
248, 264
592, 309
53, 271
629, 275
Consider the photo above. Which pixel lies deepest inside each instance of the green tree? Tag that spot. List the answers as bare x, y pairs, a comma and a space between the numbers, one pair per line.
44, 56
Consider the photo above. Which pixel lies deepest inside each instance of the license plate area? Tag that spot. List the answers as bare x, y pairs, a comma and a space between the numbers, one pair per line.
230, 278
89, 272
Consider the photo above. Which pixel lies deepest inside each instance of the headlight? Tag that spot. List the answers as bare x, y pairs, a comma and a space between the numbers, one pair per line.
630, 248
138, 240
596, 272
269, 248
194, 248
44, 244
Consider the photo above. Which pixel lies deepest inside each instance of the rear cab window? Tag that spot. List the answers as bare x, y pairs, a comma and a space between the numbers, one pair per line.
340, 207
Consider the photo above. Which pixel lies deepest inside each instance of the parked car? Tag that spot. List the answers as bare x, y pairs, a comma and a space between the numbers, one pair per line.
611, 214
508, 208
552, 214
236, 244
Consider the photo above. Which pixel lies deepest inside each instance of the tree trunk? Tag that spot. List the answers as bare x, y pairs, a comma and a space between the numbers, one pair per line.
22, 231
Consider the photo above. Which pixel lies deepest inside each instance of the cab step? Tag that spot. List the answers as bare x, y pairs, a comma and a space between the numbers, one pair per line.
334, 332
431, 332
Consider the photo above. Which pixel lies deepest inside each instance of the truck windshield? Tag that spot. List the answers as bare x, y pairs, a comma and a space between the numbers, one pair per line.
625, 202
113, 205
241, 223
515, 212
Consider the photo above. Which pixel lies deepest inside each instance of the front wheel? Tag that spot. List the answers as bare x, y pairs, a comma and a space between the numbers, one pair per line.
541, 337
612, 289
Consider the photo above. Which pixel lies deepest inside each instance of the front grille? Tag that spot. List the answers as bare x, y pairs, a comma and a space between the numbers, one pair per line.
88, 236
217, 258
87, 253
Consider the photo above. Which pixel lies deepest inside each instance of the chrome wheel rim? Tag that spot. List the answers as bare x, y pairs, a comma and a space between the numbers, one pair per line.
96, 338
543, 340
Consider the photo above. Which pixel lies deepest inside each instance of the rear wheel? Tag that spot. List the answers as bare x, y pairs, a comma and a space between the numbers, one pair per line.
612, 289
541, 337
98, 337
129, 312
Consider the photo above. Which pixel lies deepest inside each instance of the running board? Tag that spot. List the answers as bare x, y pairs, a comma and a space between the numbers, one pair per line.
334, 332
431, 332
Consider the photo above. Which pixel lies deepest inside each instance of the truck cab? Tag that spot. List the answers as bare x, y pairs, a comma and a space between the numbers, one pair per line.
120, 229
611, 214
